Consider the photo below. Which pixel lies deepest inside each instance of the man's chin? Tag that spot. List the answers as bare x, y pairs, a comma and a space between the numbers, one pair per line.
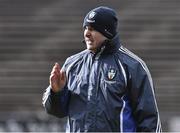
90, 48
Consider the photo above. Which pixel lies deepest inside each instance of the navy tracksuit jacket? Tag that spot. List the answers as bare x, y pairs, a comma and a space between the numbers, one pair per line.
110, 91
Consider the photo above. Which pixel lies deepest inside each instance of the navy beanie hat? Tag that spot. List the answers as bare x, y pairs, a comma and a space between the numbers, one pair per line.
102, 19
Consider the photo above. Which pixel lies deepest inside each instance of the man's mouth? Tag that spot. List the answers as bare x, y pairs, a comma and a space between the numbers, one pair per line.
88, 41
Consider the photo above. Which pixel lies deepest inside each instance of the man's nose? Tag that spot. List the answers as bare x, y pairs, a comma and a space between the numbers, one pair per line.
87, 33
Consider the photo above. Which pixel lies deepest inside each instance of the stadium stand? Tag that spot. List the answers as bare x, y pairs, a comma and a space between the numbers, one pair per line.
35, 34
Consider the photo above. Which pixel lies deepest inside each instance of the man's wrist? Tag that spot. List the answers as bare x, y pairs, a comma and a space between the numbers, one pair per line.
55, 90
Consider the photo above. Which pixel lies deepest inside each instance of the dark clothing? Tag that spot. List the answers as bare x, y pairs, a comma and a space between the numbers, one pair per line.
109, 91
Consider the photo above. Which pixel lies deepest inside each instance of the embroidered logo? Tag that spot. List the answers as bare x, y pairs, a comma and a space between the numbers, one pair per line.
111, 73
91, 16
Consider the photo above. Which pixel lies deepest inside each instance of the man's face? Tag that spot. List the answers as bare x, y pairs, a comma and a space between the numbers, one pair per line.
93, 38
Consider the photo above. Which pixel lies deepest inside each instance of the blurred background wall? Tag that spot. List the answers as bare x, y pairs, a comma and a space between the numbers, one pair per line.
36, 33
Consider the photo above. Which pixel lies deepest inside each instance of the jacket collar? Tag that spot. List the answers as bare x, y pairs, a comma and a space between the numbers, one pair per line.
110, 45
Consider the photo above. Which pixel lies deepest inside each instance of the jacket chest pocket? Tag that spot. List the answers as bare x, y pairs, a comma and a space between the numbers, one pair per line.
114, 87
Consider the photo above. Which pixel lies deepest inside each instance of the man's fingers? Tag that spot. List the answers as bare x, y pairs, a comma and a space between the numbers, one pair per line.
55, 72
53, 78
57, 66
56, 69
57, 78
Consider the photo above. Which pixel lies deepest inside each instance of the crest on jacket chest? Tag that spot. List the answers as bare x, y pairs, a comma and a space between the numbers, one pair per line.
111, 73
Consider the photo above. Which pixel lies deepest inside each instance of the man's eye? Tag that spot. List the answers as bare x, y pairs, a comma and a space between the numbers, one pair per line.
89, 28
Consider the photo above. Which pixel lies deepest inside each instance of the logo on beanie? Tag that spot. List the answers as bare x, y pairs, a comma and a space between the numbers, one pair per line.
91, 16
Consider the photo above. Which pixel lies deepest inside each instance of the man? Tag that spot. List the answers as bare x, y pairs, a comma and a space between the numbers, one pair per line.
105, 87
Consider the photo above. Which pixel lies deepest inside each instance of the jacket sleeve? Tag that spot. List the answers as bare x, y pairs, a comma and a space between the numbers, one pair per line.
56, 103
143, 100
